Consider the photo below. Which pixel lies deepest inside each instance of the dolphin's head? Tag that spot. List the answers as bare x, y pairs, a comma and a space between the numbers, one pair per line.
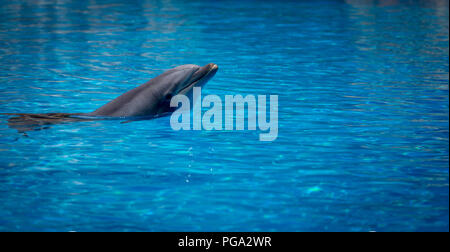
181, 80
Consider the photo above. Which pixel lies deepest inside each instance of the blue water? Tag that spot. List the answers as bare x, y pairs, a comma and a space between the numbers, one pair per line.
363, 116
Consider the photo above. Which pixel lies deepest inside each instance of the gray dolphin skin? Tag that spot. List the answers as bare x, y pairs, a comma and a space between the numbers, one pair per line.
149, 100
153, 98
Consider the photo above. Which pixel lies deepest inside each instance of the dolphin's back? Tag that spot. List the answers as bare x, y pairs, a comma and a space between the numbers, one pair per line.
118, 106
146, 99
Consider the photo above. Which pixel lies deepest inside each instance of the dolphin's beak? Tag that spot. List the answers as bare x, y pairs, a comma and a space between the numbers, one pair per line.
203, 72
200, 77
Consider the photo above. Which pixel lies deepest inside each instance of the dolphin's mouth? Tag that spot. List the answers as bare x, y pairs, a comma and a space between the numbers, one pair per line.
200, 77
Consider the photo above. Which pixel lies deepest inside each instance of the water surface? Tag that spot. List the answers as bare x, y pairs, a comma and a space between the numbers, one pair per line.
363, 128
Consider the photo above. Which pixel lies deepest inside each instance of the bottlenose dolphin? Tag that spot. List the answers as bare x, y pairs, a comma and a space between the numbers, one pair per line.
147, 101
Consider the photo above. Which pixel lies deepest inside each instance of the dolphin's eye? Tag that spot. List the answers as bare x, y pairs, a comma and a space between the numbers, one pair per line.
169, 96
